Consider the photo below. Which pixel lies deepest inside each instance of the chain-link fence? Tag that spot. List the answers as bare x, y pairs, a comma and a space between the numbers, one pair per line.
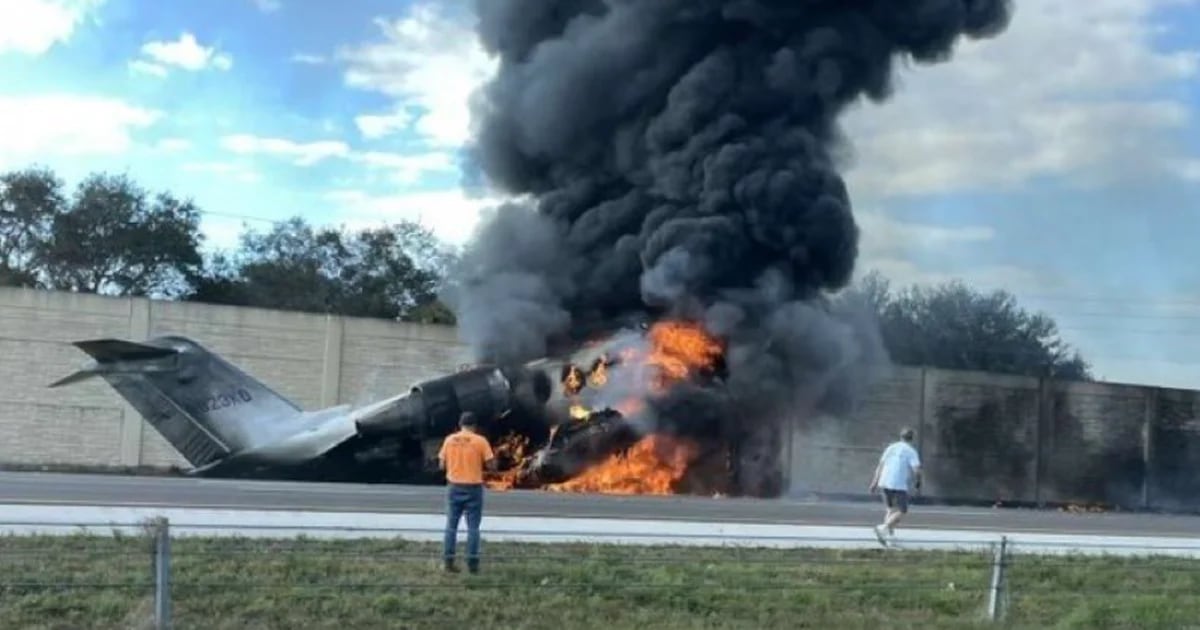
161, 576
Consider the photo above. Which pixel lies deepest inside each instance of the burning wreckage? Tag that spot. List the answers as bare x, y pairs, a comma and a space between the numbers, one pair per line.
603, 434
585, 422
580, 423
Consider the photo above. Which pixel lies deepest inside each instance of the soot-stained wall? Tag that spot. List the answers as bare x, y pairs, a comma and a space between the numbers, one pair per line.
1016, 440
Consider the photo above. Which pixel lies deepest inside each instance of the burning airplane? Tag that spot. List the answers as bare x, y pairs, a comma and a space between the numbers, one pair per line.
573, 423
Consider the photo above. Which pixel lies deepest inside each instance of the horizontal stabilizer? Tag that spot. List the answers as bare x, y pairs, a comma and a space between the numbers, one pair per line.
108, 350
81, 375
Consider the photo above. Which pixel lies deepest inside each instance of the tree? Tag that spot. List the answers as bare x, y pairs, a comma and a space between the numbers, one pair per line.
952, 326
389, 272
290, 267
30, 200
110, 237
116, 239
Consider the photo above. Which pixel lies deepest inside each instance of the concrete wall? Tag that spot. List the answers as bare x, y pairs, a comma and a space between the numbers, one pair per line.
982, 436
315, 360
1010, 439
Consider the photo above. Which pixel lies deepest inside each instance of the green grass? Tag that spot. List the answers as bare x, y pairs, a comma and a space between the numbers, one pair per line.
101, 582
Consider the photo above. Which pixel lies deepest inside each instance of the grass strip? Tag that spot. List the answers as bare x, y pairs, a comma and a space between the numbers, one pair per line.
106, 582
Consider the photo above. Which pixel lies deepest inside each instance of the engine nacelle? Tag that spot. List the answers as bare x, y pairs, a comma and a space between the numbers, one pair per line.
432, 408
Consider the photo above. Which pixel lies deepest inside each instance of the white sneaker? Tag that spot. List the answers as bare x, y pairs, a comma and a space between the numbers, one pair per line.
878, 529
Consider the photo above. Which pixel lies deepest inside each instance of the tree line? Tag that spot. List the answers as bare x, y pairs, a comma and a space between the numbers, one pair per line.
111, 236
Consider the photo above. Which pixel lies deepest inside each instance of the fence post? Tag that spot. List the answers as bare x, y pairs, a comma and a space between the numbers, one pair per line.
995, 611
162, 574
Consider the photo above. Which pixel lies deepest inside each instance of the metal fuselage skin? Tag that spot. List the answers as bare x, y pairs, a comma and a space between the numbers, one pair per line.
226, 423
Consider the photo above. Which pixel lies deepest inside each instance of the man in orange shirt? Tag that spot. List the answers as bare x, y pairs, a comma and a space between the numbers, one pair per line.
463, 456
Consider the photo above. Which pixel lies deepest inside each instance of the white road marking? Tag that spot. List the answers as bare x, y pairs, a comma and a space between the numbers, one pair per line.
718, 518
69, 519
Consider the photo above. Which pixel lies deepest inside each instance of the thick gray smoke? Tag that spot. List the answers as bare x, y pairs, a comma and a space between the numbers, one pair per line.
680, 158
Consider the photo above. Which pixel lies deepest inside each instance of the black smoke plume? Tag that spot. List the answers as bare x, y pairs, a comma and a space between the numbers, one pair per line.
678, 158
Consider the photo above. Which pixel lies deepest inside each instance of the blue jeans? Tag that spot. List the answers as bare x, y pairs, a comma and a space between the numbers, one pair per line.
462, 499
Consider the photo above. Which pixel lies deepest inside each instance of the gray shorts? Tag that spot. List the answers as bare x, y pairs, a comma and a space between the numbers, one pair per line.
896, 499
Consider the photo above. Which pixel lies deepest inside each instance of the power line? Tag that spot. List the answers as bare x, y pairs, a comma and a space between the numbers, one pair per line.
1089, 357
1132, 331
1052, 297
1116, 315
244, 217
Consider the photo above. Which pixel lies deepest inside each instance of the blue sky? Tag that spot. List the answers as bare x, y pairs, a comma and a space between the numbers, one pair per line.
1060, 161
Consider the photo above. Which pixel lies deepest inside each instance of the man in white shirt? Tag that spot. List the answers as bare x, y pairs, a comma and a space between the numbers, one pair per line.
898, 465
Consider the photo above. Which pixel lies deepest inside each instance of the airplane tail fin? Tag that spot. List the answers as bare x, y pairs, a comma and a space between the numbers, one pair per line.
108, 354
203, 405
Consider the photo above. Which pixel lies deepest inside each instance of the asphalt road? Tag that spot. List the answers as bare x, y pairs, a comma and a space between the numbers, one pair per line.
111, 490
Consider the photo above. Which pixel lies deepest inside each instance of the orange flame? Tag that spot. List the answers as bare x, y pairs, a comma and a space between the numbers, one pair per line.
654, 465
680, 348
599, 375
573, 381
510, 450
657, 463
631, 406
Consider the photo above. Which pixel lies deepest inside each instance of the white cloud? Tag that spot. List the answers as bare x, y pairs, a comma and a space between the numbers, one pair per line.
408, 169
885, 236
405, 169
301, 153
37, 127
221, 232
32, 27
141, 66
185, 53
427, 61
450, 213
375, 126
234, 171
886, 244
1067, 91
268, 6
173, 145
